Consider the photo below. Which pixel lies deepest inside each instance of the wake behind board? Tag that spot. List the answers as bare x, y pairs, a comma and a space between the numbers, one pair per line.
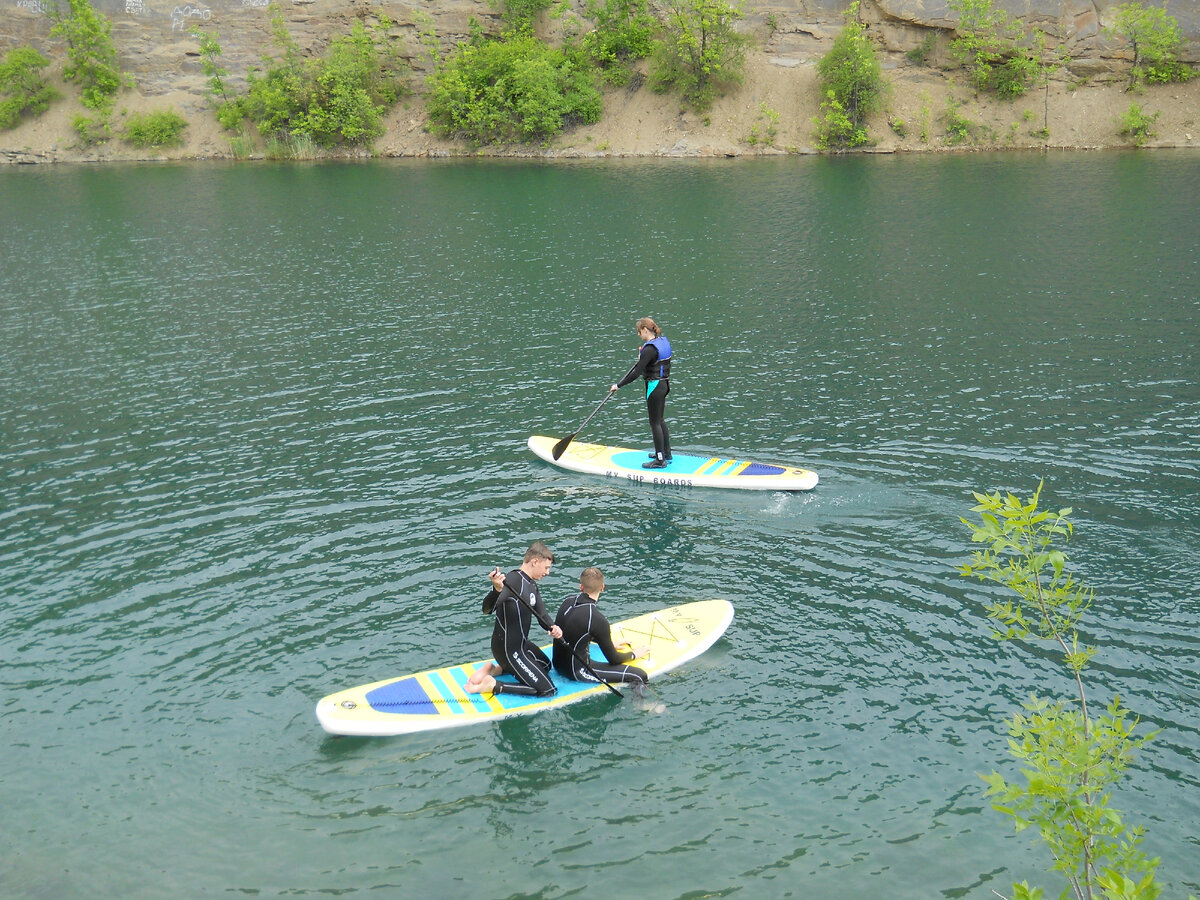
436, 699
685, 470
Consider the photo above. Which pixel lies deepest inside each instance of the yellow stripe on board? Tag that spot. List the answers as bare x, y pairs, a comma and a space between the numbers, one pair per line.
454, 690
740, 469
432, 693
711, 461
490, 699
725, 465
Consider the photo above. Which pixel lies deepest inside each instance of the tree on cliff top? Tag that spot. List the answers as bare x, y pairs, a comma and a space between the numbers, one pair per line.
92, 59
700, 51
1156, 41
851, 77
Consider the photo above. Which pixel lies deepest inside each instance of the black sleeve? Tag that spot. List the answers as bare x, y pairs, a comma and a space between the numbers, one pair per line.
508, 607
602, 635
646, 358
508, 613
489, 602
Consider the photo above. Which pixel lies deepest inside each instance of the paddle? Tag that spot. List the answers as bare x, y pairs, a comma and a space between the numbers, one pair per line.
561, 447
547, 625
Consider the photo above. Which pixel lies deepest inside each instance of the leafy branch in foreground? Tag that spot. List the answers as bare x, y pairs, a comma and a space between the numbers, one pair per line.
1070, 761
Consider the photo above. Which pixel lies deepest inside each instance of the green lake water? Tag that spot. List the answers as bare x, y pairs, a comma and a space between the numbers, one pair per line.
262, 435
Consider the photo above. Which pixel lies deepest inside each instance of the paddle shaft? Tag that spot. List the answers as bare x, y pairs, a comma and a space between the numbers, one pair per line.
561, 447
546, 624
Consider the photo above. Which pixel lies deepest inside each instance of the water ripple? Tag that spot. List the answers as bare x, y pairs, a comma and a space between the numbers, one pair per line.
246, 463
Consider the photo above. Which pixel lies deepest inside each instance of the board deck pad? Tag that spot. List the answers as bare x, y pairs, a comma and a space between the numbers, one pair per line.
684, 470
426, 701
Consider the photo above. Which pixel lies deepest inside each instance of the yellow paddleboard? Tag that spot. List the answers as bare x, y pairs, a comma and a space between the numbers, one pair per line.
684, 470
436, 699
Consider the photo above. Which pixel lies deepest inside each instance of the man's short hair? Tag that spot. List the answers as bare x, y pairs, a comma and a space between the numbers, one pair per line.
591, 579
538, 550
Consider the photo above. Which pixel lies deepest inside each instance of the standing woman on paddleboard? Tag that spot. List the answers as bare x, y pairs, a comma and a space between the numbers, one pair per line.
653, 365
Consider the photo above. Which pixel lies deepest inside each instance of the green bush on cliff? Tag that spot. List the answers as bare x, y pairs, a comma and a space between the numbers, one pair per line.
231, 111
1137, 125
850, 76
1156, 41
519, 13
92, 59
23, 87
836, 131
511, 88
210, 52
339, 98
986, 41
357, 81
624, 33
700, 51
92, 131
161, 128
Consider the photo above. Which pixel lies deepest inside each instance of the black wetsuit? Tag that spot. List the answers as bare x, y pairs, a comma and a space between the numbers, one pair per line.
658, 386
583, 623
518, 656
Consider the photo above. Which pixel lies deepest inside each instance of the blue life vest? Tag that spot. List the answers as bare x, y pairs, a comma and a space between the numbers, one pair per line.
661, 369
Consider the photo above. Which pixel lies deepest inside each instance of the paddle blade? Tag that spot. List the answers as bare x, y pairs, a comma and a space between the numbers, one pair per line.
561, 447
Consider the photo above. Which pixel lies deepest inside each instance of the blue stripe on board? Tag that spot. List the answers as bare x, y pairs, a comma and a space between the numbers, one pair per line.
682, 464
407, 697
452, 702
403, 696
477, 700
761, 469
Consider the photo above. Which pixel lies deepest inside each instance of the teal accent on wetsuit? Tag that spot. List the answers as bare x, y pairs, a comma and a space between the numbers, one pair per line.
650, 386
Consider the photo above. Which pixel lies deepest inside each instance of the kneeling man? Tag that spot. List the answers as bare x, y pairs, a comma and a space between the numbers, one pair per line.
581, 623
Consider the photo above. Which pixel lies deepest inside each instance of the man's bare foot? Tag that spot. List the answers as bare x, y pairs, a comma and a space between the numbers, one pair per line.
484, 671
485, 685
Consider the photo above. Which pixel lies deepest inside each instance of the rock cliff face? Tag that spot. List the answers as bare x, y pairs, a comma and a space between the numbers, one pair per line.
1076, 25
157, 48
